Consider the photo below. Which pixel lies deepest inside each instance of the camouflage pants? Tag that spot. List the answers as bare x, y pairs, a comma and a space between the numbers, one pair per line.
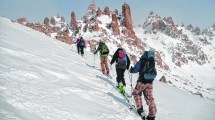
147, 90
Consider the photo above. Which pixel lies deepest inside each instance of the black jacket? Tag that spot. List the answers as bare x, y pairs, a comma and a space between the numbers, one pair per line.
116, 56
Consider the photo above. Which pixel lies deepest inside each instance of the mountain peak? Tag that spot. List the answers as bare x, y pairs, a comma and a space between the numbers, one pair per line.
153, 16
91, 9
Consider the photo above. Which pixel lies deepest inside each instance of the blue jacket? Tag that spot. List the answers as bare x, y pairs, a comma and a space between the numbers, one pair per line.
137, 67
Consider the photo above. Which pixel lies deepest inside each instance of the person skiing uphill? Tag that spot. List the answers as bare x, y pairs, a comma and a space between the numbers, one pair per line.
81, 44
122, 63
147, 73
104, 51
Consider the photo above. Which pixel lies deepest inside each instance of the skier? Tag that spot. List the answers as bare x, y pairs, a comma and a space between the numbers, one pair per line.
104, 51
147, 73
122, 63
81, 44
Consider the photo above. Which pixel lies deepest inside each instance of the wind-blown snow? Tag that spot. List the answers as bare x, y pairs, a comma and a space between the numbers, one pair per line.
44, 79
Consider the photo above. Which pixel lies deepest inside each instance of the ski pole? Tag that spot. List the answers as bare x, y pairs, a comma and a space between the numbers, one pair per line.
130, 77
85, 52
131, 100
94, 61
111, 70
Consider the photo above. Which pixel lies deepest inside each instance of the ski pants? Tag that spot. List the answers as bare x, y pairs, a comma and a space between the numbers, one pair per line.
80, 49
104, 64
120, 76
147, 90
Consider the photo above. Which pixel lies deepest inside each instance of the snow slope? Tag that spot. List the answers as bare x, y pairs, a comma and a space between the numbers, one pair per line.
44, 79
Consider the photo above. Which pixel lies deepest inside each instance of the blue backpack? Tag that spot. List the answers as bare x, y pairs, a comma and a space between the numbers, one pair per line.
149, 70
122, 60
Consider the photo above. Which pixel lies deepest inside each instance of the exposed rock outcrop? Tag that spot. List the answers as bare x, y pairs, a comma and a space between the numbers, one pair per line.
96, 27
163, 79
99, 12
115, 25
22, 21
73, 22
91, 9
127, 21
107, 11
155, 23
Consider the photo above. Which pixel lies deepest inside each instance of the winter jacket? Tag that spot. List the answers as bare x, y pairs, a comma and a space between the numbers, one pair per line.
100, 50
116, 56
138, 68
78, 42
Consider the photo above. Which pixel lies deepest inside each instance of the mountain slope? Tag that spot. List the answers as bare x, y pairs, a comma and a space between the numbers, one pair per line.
190, 56
186, 59
44, 79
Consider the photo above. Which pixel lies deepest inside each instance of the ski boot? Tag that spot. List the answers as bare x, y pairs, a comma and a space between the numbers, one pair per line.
141, 113
121, 88
103, 72
107, 72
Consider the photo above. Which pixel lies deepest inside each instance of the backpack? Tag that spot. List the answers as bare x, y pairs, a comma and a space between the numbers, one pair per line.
81, 42
149, 71
104, 49
122, 60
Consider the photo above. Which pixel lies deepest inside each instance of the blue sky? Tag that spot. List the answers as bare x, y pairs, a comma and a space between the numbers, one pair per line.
198, 12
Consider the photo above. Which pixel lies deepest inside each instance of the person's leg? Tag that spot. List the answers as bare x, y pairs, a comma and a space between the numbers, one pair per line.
82, 50
137, 96
150, 101
78, 48
122, 77
106, 64
117, 76
102, 64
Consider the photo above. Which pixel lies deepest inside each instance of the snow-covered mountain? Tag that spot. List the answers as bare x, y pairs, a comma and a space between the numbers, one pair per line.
58, 21
45, 79
185, 55
189, 54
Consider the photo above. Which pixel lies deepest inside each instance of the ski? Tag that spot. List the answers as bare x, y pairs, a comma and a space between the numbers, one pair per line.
109, 76
99, 69
127, 98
